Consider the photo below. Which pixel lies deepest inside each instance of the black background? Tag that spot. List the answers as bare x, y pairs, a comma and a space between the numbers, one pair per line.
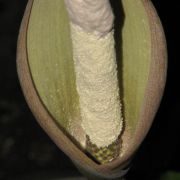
26, 149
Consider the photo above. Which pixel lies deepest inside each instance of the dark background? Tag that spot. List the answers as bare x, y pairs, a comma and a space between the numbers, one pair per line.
26, 149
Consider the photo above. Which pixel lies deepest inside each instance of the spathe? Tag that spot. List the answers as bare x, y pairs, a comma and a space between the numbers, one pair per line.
151, 75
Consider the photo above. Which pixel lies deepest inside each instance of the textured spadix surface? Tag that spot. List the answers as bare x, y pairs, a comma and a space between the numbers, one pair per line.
50, 59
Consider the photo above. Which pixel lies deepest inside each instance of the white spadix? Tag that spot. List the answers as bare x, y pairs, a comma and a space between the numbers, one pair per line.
96, 69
